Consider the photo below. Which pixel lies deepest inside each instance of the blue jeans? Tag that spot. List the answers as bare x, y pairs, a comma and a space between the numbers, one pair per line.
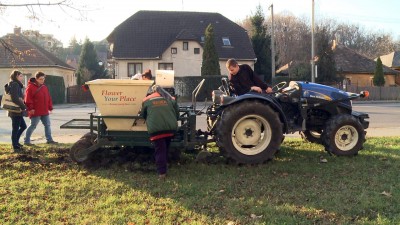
18, 127
34, 122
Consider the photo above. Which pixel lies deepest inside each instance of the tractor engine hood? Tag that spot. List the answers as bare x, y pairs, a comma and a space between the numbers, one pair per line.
318, 91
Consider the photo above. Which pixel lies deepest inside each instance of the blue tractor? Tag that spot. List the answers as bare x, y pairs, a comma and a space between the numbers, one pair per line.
250, 128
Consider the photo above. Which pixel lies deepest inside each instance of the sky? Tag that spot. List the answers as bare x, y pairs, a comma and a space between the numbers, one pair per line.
100, 17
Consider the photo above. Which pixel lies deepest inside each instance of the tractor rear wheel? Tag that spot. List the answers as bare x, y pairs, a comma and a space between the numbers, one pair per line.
344, 135
249, 132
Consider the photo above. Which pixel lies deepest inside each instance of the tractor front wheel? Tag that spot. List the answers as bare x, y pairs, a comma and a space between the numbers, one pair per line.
344, 135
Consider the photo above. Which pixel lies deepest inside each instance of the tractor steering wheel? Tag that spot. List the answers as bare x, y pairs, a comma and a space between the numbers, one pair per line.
279, 86
225, 86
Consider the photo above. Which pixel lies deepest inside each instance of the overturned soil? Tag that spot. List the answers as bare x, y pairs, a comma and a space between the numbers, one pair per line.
131, 159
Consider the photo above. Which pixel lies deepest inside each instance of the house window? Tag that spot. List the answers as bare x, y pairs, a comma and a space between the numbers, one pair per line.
165, 66
196, 51
202, 39
174, 50
134, 68
226, 41
185, 46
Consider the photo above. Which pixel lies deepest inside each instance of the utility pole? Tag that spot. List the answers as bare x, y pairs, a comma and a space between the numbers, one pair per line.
312, 45
272, 44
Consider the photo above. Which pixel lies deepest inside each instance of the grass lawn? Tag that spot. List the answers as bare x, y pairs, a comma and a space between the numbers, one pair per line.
302, 185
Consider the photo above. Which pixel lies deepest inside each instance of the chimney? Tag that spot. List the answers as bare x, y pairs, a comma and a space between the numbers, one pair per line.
17, 30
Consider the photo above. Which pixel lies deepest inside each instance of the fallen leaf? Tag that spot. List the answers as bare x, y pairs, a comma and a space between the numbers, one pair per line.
387, 194
254, 216
322, 160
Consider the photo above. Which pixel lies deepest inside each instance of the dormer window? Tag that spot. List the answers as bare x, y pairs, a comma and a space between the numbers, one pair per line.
226, 41
202, 39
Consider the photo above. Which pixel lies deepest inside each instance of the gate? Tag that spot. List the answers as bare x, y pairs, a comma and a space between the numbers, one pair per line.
75, 94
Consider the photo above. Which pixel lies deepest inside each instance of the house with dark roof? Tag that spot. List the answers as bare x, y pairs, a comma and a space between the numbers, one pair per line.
358, 69
166, 40
392, 60
29, 58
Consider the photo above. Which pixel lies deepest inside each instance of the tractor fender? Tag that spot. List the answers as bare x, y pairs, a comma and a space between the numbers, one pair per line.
267, 99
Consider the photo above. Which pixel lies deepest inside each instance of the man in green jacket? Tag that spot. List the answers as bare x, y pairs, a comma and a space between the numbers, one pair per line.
161, 113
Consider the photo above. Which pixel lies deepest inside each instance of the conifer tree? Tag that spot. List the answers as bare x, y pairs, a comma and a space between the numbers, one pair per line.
89, 67
210, 65
261, 44
379, 79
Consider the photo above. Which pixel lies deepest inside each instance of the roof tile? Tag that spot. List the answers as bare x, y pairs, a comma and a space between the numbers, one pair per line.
30, 54
147, 34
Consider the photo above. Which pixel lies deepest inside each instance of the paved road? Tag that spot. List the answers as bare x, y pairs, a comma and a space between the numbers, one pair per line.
384, 121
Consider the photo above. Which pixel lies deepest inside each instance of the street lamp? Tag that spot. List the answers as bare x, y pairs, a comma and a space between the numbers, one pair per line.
272, 44
312, 45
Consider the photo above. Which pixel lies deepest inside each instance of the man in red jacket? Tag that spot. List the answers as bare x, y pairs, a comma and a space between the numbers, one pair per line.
39, 104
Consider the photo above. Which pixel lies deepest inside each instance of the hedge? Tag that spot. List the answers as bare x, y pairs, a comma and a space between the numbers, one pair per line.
184, 86
56, 88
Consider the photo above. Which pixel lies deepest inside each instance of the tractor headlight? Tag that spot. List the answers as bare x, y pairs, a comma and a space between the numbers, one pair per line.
216, 96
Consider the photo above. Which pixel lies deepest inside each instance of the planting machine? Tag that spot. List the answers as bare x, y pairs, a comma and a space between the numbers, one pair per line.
248, 129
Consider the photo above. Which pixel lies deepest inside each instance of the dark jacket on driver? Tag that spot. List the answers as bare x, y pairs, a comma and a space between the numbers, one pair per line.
245, 79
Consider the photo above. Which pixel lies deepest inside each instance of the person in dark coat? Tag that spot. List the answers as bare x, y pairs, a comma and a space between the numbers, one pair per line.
242, 79
15, 89
39, 104
161, 113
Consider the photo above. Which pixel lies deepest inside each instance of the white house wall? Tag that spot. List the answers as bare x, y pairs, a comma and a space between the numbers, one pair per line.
121, 67
224, 71
185, 63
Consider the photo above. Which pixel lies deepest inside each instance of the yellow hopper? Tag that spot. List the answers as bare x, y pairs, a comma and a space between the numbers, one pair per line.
120, 98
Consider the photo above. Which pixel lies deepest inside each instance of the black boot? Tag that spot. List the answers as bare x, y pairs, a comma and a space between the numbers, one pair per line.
17, 149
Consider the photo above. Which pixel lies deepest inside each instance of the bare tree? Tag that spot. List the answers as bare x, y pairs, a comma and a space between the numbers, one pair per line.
35, 8
36, 11
292, 37
368, 43
293, 40
397, 45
